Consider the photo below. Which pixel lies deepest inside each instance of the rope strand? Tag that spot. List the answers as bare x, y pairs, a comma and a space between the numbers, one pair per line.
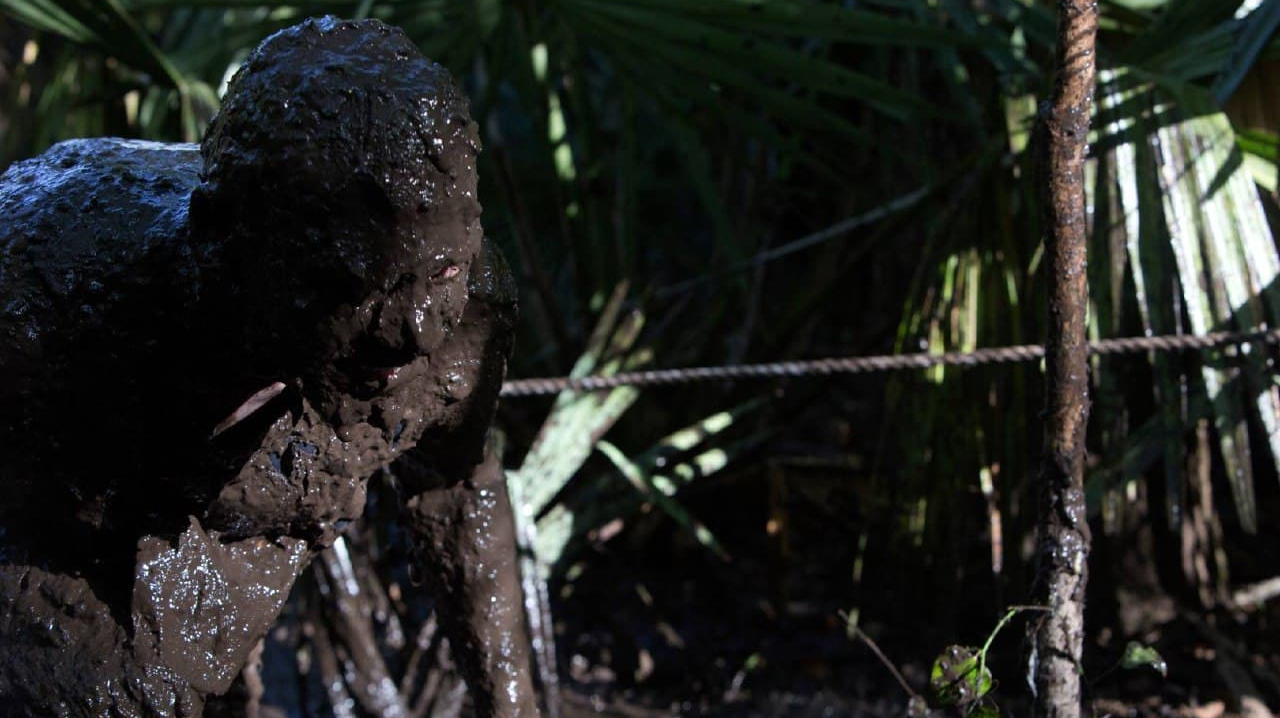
885, 362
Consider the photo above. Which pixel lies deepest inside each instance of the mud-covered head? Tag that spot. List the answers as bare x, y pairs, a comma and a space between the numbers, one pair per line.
339, 186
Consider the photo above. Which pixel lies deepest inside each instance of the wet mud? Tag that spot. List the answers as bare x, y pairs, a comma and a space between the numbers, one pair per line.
208, 350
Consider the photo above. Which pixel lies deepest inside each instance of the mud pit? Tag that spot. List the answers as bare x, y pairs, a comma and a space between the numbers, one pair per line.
209, 350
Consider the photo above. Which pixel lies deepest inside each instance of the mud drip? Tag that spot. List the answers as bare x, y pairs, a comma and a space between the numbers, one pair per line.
209, 350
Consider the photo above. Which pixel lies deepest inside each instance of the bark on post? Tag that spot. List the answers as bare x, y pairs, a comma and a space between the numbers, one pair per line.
1064, 530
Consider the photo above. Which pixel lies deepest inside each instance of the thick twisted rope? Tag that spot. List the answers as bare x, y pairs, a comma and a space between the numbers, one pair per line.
887, 362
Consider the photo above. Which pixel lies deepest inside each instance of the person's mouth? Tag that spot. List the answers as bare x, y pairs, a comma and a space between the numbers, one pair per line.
375, 375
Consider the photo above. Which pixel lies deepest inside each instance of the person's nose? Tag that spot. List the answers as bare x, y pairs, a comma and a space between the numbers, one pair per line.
415, 317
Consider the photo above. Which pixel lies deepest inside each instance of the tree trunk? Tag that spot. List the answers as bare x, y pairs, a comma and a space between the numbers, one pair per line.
1064, 530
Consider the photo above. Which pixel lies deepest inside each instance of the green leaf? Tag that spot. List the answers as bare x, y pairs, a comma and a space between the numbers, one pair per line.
577, 515
1256, 29
1259, 143
957, 679
1181, 24
722, 52
1261, 158
578, 419
1137, 4
690, 64
794, 18
1227, 263
48, 16
647, 485
677, 94
1136, 655
984, 710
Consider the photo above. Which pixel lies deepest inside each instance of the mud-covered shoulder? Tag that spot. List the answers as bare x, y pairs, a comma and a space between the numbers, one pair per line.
87, 224
92, 195
95, 263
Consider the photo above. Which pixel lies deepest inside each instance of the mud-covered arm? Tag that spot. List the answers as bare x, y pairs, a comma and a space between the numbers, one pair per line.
465, 537
459, 513
199, 606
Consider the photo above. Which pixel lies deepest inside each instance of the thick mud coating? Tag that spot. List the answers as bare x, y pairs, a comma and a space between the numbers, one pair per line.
207, 352
463, 533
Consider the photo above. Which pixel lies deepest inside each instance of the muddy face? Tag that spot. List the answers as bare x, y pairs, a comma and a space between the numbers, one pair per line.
320, 241
340, 188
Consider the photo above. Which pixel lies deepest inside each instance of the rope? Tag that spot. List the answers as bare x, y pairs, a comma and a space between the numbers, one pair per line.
887, 362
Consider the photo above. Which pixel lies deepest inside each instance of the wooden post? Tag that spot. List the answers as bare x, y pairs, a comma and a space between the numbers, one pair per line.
1064, 531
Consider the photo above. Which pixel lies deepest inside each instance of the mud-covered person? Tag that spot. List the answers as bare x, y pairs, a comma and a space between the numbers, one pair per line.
208, 351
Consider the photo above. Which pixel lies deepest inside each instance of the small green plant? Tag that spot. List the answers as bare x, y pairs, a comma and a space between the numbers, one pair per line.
1137, 655
959, 678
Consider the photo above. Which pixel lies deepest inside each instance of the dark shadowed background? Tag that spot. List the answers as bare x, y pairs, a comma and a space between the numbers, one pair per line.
709, 182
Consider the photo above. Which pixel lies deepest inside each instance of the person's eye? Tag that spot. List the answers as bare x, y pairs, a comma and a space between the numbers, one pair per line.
448, 272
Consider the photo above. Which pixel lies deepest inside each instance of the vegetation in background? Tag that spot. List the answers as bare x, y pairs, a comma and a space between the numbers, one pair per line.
777, 179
